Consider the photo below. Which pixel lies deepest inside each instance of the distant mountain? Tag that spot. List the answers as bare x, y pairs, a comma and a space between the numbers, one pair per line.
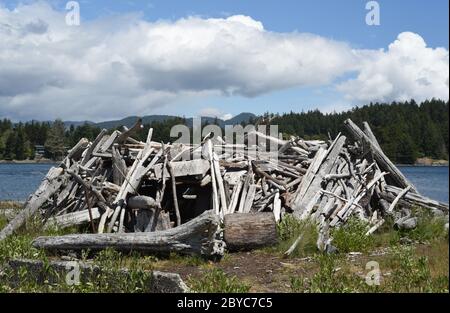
131, 120
243, 117
67, 124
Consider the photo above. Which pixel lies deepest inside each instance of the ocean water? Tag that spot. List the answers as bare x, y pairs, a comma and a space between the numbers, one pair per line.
18, 181
431, 181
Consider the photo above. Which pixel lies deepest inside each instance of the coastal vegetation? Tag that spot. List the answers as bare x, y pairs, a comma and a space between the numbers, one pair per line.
406, 261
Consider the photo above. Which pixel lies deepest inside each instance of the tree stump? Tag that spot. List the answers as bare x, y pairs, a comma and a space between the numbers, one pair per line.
249, 231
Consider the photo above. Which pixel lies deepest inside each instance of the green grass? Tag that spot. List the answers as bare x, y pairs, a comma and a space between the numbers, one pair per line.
217, 281
411, 273
330, 278
16, 247
7, 205
351, 237
289, 228
408, 272
3, 221
10, 205
193, 260
110, 277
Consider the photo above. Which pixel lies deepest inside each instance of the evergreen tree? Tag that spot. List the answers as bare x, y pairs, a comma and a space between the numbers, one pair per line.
9, 153
54, 145
19, 145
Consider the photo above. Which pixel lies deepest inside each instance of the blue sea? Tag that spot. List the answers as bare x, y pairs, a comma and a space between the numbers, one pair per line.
18, 181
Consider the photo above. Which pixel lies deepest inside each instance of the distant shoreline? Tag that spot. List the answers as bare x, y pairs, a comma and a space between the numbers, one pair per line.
41, 161
422, 165
439, 163
430, 162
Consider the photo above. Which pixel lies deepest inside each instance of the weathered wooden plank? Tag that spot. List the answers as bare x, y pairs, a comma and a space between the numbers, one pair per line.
277, 207
250, 198
93, 147
303, 206
198, 167
73, 219
309, 176
370, 134
120, 169
174, 193
235, 197
221, 189
76, 152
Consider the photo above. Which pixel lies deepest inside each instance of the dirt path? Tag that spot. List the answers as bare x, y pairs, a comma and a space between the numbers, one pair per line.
264, 272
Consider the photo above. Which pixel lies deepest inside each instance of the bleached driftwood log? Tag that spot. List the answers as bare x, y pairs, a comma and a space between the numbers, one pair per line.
127, 133
73, 219
370, 134
196, 237
397, 199
383, 161
120, 169
142, 202
391, 192
309, 190
94, 147
76, 152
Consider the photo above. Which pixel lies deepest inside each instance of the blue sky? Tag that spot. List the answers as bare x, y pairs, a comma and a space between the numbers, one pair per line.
341, 21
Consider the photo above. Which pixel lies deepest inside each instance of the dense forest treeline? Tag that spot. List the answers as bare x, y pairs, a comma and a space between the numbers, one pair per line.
406, 131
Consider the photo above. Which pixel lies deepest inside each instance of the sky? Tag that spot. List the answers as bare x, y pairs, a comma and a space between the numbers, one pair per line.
217, 57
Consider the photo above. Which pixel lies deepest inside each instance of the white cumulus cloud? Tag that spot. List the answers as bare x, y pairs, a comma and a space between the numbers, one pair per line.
407, 70
215, 112
122, 65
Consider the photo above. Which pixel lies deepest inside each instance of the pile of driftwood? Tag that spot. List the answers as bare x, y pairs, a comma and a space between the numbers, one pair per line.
157, 198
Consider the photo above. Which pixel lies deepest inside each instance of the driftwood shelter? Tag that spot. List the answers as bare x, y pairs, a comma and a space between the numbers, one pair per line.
200, 200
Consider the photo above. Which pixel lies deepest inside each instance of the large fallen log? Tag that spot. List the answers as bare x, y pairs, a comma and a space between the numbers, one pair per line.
196, 237
249, 231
